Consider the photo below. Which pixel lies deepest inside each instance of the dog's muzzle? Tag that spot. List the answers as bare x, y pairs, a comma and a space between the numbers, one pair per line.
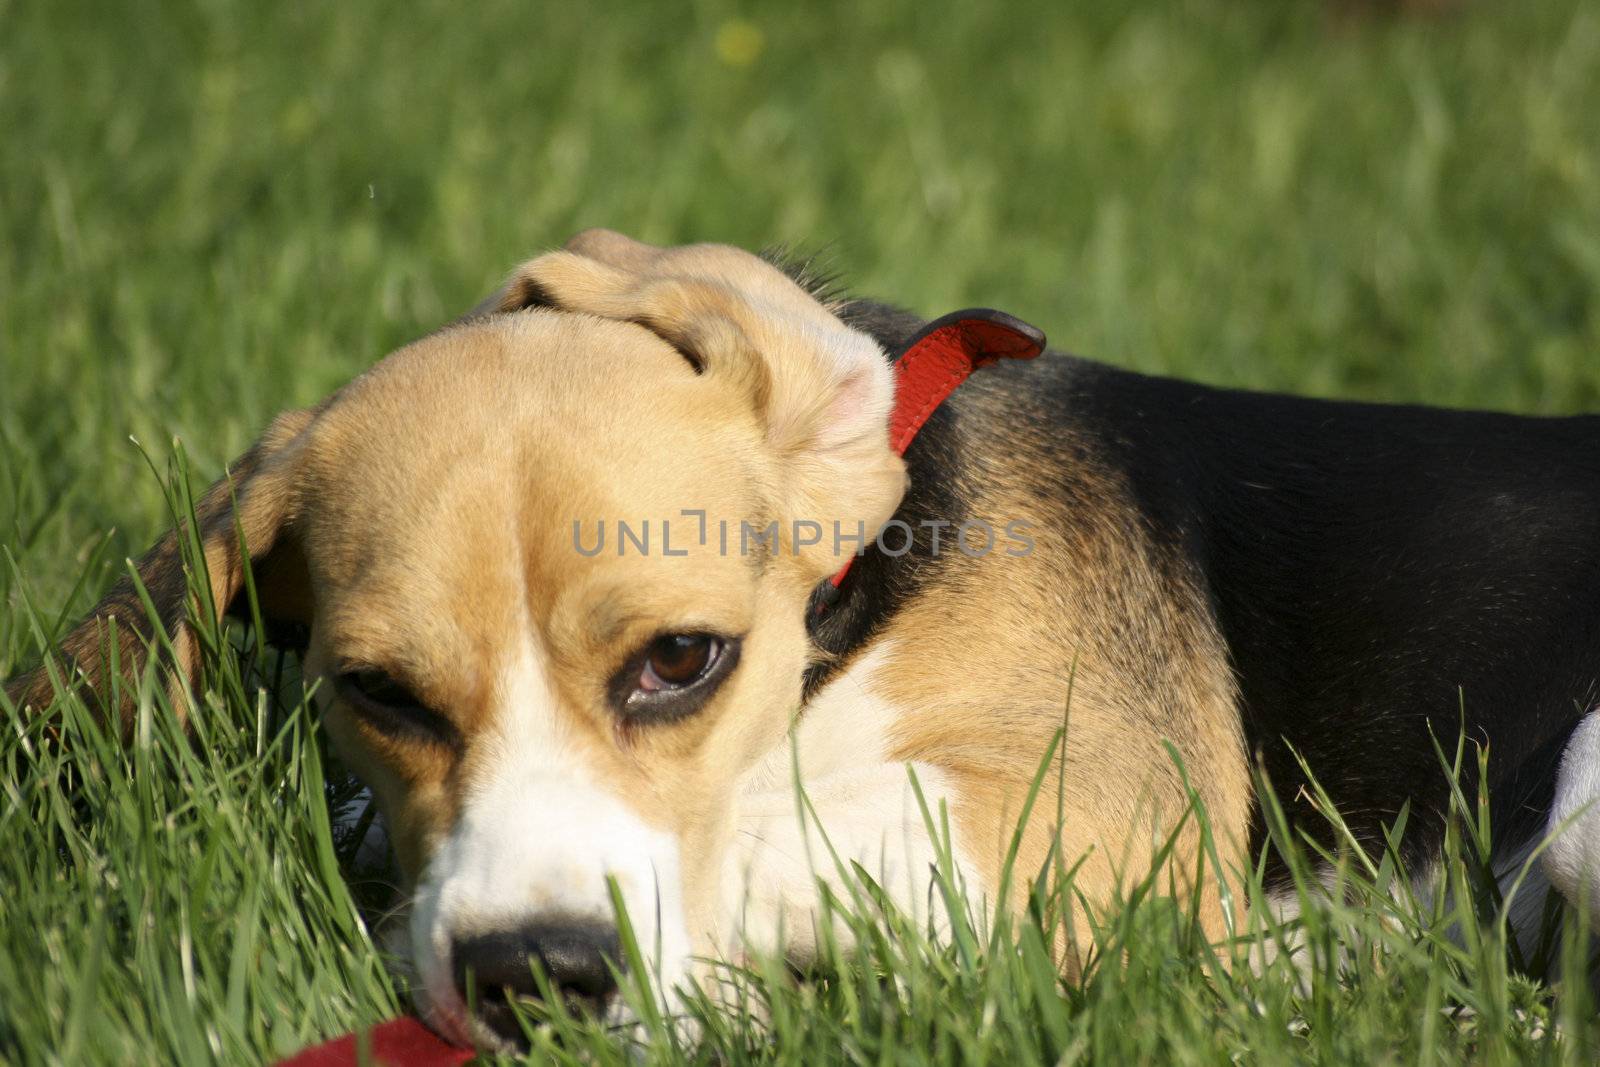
579, 959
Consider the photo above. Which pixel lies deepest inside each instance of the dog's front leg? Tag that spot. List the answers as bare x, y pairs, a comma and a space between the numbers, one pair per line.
790, 848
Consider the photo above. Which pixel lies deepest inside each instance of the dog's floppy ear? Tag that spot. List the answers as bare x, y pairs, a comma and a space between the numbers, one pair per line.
254, 503
822, 390
522, 290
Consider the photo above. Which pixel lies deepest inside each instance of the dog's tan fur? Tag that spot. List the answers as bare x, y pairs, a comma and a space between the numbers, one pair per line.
419, 522
117, 634
1087, 613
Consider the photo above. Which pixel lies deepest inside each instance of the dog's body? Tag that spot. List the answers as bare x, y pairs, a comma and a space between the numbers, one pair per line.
1370, 573
1223, 573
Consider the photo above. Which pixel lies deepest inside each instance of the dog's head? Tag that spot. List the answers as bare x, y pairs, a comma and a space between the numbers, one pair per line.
554, 563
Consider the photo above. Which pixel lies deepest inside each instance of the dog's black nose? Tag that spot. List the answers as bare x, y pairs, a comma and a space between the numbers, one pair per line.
577, 957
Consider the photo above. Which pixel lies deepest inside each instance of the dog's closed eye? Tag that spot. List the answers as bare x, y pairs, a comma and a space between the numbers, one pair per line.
673, 676
392, 709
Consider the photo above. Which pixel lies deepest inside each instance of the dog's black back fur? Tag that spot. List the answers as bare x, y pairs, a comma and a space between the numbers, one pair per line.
1378, 572
1381, 575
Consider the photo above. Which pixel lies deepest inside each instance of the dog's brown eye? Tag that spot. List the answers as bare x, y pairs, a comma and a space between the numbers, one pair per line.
379, 687
677, 660
393, 709
673, 676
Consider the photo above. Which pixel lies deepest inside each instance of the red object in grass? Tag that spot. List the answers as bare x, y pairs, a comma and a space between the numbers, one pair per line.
402, 1042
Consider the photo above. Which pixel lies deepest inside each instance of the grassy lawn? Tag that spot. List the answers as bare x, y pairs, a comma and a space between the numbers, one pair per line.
213, 211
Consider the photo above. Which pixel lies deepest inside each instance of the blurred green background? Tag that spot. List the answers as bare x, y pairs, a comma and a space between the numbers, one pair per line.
211, 211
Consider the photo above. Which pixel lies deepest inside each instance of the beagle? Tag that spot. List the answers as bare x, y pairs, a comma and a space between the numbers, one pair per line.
558, 572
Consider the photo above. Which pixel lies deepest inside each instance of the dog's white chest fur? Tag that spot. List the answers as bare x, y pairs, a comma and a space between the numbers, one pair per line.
859, 807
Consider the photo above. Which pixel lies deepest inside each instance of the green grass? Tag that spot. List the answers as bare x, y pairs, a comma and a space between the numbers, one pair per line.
211, 212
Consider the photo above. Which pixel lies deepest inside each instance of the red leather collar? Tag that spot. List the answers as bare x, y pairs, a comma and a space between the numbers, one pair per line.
940, 358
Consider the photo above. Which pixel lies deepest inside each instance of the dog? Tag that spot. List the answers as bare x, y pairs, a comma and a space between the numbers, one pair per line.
1200, 584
